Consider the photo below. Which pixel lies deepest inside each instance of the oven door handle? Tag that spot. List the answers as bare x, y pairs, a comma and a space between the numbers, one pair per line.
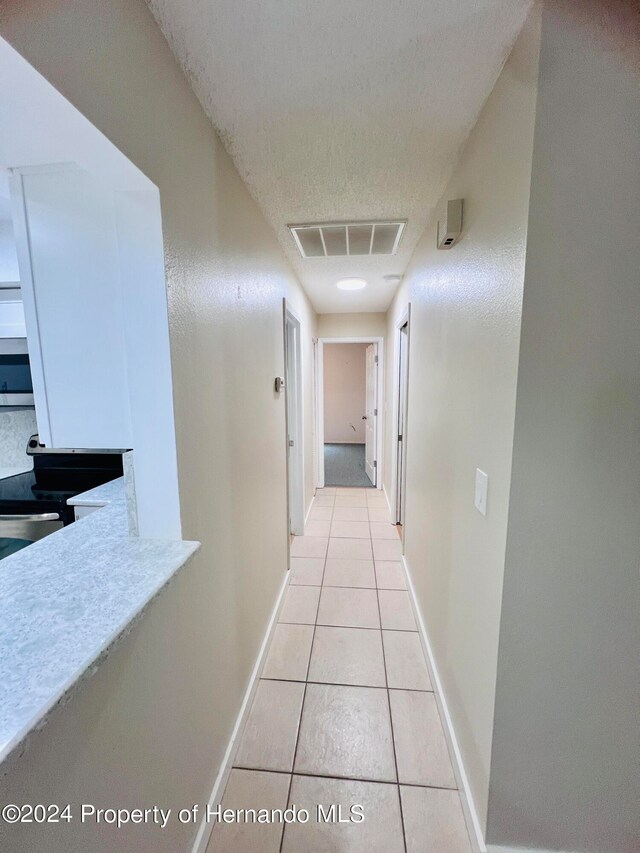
43, 516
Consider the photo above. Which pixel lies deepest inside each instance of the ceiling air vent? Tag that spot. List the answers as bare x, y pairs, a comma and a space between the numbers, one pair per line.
341, 240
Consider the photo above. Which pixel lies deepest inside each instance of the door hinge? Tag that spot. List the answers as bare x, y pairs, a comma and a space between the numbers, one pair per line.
375, 411
290, 442
375, 463
376, 361
399, 438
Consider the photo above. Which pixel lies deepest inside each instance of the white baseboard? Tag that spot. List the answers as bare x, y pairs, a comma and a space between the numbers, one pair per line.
309, 508
204, 832
498, 848
468, 805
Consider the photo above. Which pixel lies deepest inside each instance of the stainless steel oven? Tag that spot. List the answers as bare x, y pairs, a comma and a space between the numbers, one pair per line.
16, 388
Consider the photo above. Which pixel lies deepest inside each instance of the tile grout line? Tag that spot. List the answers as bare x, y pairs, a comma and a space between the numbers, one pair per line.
362, 627
368, 780
304, 696
344, 683
393, 740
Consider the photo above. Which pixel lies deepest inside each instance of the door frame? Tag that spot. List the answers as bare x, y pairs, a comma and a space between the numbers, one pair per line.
405, 317
293, 391
373, 339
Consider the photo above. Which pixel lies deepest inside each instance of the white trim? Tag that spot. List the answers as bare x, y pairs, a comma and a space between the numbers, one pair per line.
373, 339
468, 805
309, 508
405, 317
498, 848
386, 497
295, 477
204, 831
23, 249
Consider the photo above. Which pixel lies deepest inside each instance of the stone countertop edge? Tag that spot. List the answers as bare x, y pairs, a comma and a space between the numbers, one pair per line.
108, 493
66, 601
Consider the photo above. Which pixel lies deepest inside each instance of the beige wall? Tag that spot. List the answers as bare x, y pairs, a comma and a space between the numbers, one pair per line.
345, 377
352, 325
566, 752
465, 321
153, 725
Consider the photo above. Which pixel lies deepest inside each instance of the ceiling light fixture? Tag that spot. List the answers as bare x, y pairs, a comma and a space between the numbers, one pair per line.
351, 284
393, 279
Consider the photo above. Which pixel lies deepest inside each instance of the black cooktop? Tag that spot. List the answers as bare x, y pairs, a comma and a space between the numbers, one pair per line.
55, 478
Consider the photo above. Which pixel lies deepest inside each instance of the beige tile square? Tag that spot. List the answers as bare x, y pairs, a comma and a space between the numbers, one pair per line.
421, 749
379, 514
345, 731
269, 738
375, 498
321, 513
350, 513
396, 612
350, 549
406, 666
379, 832
326, 490
351, 500
349, 573
251, 789
306, 571
434, 821
350, 608
350, 491
347, 656
383, 530
350, 529
387, 549
390, 575
324, 500
309, 546
288, 656
300, 605
317, 527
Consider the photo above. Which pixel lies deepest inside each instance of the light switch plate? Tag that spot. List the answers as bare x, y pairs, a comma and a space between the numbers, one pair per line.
482, 486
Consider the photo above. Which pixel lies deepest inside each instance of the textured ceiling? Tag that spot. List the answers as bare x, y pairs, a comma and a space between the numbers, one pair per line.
343, 110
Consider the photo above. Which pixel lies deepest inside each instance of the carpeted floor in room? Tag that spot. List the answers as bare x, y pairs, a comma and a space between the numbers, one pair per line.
344, 465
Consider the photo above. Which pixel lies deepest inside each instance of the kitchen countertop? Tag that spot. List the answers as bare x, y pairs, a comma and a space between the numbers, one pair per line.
108, 493
66, 600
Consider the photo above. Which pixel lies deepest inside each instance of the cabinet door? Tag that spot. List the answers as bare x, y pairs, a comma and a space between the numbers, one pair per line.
68, 256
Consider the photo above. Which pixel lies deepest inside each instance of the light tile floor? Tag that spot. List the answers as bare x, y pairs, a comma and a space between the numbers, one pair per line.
344, 712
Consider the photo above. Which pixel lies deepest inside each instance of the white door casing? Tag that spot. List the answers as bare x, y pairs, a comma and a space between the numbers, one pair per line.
403, 353
293, 397
378, 342
399, 422
371, 413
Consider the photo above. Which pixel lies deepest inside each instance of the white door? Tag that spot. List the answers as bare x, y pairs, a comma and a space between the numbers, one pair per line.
371, 414
403, 375
293, 394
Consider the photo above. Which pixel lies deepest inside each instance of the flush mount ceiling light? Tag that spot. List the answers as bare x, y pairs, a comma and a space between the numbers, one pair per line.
351, 284
393, 279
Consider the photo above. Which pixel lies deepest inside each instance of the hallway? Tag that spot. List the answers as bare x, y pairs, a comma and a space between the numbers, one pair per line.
345, 701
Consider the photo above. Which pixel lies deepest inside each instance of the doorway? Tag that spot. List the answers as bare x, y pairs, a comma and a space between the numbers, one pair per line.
400, 416
294, 429
349, 388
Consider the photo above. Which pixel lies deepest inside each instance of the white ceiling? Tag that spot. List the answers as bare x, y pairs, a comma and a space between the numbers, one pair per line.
343, 110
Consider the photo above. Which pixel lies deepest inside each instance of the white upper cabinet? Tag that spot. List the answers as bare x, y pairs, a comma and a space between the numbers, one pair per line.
65, 229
